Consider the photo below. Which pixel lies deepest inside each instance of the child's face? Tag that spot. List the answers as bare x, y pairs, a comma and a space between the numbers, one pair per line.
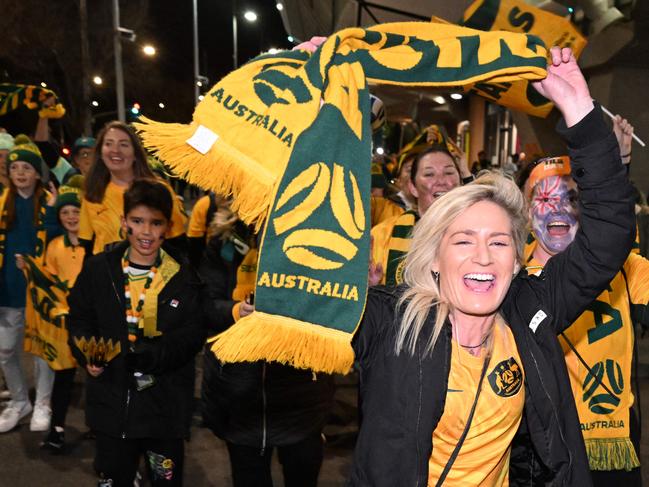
69, 216
84, 159
23, 175
145, 229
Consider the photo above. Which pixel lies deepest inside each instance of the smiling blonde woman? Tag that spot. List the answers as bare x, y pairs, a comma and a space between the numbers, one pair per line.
463, 380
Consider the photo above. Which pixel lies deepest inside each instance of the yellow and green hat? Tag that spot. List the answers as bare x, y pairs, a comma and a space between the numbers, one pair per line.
26, 153
70, 194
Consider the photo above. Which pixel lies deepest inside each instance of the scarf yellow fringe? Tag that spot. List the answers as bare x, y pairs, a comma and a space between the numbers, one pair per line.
605, 454
239, 174
262, 336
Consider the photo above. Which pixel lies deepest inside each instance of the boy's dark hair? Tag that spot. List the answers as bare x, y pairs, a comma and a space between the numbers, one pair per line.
150, 193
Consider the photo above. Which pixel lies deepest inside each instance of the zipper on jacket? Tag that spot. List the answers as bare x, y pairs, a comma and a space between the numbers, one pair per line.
554, 409
112, 281
128, 390
128, 400
263, 414
421, 387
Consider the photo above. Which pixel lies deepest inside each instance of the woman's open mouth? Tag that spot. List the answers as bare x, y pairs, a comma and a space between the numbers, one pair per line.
479, 282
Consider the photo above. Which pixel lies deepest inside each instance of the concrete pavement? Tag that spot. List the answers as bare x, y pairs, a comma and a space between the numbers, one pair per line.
24, 464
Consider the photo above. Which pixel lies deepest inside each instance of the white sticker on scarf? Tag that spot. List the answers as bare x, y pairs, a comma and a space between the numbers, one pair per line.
203, 139
537, 319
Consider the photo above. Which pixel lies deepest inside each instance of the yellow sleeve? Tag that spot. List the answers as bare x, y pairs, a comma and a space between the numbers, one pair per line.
198, 220
380, 240
178, 216
85, 225
636, 268
383, 209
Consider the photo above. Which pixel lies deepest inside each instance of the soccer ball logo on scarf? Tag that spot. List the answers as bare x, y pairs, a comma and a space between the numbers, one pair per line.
318, 248
599, 400
277, 86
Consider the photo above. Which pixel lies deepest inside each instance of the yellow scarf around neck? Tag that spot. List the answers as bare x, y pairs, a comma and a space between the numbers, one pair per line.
603, 335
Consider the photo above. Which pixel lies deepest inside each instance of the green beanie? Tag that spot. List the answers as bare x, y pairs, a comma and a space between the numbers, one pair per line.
26, 154
68, 195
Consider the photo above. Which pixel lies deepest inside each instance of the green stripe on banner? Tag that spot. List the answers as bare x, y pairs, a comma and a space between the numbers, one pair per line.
484, 16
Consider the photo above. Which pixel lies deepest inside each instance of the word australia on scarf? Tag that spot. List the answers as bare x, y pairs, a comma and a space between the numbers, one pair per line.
309, 188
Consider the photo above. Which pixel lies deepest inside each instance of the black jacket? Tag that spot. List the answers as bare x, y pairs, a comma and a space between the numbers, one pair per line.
403, 396
256, 404
97, 308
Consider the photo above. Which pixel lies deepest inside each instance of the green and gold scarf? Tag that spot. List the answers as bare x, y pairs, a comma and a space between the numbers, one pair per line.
603, 336
46, 307
13, 96
288, 136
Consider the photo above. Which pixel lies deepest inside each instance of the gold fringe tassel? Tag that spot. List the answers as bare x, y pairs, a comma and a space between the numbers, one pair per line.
223, 169
611, 454
262, 336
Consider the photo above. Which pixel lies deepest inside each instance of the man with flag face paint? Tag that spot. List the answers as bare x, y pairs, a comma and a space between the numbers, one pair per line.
599, 345
553, 207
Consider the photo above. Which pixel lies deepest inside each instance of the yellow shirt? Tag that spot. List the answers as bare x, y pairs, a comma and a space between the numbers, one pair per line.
383, 209
390, 242
198, 220
64, 260
103, 220
484, 456
604, 337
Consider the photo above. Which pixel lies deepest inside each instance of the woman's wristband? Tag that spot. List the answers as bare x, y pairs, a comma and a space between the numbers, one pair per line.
470, 178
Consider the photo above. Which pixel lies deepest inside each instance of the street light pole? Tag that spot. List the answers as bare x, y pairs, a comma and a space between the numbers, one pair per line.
85, 69
235, 54
119, 74
196, 70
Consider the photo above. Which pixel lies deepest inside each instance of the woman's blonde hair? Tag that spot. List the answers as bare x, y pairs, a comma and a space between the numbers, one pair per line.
422, 292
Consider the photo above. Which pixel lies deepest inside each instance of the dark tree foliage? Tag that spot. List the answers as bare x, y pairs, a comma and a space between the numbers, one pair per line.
41, 42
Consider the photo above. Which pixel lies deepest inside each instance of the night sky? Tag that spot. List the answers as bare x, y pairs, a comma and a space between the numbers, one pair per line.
49, 51
170, 29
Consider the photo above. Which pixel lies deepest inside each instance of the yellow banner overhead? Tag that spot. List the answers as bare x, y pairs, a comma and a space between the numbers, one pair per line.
518, 16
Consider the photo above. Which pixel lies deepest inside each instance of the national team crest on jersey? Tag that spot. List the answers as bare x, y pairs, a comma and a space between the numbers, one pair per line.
506, 378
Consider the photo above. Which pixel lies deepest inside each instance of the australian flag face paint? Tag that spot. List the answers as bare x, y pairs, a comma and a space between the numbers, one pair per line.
555, 213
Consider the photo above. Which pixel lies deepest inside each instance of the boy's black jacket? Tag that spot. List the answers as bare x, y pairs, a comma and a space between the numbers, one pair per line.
97, 308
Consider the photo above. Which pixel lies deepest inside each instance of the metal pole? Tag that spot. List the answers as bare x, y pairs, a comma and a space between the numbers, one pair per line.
119, 74
86, 116
235, 54
196, 70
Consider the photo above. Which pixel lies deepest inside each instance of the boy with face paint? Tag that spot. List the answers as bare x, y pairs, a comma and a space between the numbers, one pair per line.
553, 206
599, 345
140, 403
